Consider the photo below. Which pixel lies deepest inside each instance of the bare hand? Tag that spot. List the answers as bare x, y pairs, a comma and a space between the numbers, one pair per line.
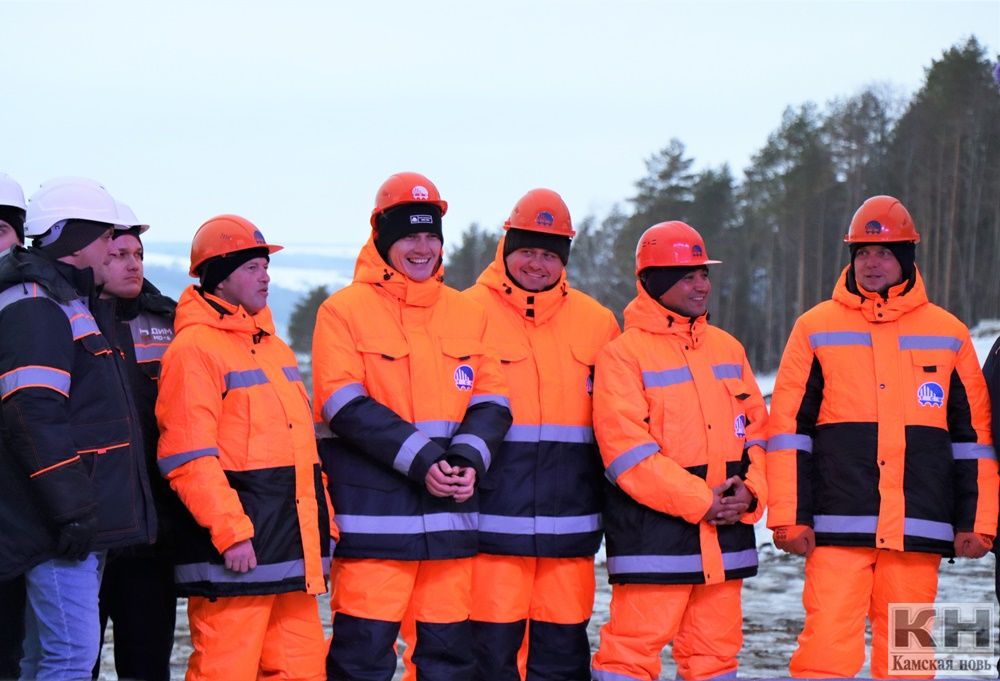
717, 506
465, 483
735, 505
438, 482
240, 557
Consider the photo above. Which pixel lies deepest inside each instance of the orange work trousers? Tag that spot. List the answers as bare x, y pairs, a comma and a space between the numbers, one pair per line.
278, 636
704, 622
844, 584
434, 594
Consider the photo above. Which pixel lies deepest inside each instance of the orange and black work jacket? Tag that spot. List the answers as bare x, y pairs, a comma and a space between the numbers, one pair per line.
237, 445
677, 411
880, 425
543, 495
71, 443
401, 380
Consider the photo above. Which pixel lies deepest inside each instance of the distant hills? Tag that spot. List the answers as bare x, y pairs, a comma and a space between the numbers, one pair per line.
294, 271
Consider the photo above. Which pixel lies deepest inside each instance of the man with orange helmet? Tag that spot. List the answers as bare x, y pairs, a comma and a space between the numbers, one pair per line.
238, 446
540, 503
880, 459
417, 409
680, 423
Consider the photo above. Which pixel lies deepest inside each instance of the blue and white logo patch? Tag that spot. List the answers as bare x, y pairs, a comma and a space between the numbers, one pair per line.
740, 426
421, 220
930, 394
464, 376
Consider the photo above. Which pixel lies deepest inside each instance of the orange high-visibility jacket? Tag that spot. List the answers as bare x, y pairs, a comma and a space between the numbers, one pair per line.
880, 425
238, 446
402, 379
677, 411
543, 496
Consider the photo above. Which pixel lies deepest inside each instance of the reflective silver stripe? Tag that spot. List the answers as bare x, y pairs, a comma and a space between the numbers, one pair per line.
550, 432
245, 379
972, 450
505, 524
667, 377
760, 443
340, 397
444, 429
868, 524
722, 371
848, 524
601, 675
407, 524
169, 463
292, 374
34, 377
930, 343
733, 560
818, 340
150, 353
81, 321
932, 529
630, 458
211, 572
495, 399
476, 443
790, 441
408, 451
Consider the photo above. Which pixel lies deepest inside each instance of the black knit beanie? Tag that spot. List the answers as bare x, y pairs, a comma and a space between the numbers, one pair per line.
523, 238
213, 272
403, 220
69, 236
658, 280
14, 217
131, 231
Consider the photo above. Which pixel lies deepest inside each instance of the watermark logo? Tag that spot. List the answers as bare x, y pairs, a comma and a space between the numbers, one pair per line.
946, 639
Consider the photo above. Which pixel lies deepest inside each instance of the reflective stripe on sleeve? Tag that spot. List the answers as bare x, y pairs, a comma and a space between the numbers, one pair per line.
34, 377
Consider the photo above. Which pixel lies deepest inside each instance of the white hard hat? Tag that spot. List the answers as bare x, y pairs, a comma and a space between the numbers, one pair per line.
10, 192
127, 219
68, 198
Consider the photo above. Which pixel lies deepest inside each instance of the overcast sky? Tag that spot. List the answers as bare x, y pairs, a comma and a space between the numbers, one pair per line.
292, 113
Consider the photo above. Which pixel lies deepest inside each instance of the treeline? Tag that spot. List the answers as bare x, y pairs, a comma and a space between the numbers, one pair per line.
779, 227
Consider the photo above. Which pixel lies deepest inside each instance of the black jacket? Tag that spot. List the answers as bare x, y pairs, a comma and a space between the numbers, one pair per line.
71, 443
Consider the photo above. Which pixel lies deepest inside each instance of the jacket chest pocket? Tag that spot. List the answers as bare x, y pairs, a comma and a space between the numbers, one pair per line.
387, 372
931, 374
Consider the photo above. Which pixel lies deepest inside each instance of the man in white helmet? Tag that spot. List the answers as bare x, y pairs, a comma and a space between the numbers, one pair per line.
11, 213
72, 480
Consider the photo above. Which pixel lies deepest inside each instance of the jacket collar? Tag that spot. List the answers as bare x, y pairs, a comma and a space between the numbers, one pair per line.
899, 300
535, 307
372, 269
647, 314
63, 281
199, 308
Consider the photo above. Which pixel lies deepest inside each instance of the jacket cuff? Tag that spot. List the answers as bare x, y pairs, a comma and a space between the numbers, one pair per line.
426, 457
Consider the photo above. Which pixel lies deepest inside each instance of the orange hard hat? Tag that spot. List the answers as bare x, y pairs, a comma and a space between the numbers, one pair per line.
879, 219
671, 244
541, 210
225, 234
406, 188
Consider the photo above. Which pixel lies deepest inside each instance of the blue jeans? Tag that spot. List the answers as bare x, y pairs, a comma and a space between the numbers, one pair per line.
62, 633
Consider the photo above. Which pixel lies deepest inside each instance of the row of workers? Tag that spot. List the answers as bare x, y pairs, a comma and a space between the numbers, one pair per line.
475, 446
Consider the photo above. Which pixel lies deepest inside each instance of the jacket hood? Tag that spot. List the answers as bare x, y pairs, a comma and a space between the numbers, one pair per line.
196, 307
63, 282
370, 268
533, 306
648, 315
900, 299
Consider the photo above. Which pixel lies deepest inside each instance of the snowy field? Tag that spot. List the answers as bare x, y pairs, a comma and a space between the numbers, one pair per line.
772, 605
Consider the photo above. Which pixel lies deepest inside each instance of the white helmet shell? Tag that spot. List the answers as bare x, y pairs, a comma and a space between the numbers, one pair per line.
68, 198
127, 219
10, 192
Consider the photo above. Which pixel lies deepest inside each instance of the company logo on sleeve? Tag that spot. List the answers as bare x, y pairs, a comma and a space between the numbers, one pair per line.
930, 394
464, 377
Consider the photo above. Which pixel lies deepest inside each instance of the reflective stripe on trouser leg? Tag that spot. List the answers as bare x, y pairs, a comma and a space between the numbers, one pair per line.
562, 600
644, 618
900, 577
711, 632
836, 596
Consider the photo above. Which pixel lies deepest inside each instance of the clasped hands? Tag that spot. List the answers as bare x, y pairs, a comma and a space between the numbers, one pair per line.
727, 509
445, 480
